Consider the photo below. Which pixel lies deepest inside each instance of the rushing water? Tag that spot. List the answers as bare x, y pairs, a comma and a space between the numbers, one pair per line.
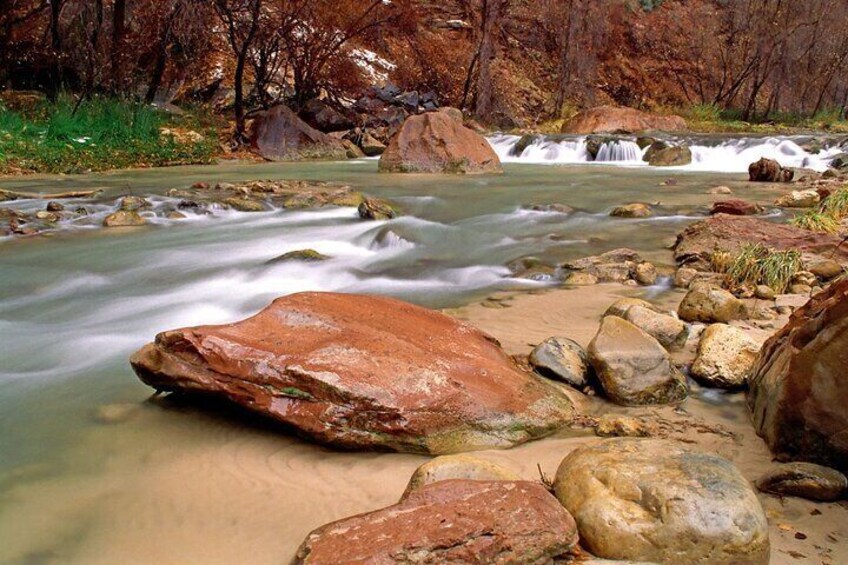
717, 154
75, 305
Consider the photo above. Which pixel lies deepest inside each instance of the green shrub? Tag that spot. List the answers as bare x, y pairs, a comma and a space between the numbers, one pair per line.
757, 264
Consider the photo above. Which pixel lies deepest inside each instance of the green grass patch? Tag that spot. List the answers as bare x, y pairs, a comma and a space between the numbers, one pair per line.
101, 134
828, 216
757, 264
710, 118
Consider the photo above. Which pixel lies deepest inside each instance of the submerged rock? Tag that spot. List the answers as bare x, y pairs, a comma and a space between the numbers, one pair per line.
451, 522
805, 480
675, 156
303, 255
437, 142
243, 204
726, 356
362, 372
736, 207
633, 367
562, 359
376, 209
653, 500
798, 389
459, 466
634, 210
613, 119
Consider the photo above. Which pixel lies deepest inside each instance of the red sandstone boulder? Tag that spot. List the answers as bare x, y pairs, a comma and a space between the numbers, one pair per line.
736, 207
278, 134
438, 142
731, 233
451, 522
799, 388
613, 119
361, 372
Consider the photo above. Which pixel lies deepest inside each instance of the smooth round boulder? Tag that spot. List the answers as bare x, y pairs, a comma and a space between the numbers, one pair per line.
805, 480
459, 466
562, 359
620, 307
654, 500
705, 303
674, 156
632, 367
726, 357
123, 219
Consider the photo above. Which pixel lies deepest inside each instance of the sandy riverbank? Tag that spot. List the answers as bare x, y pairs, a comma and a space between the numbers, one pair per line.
211, 487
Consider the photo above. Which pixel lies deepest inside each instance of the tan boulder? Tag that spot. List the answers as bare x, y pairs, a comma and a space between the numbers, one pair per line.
562, 359
123, 218
362, 372
708, 304
654, 500
453, 522
458, 466
805, 480
278, 134
632, 367
666, 329
436, 142
726, 356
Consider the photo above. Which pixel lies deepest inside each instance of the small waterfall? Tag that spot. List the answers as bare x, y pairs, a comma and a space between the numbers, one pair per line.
619, 150
727, 155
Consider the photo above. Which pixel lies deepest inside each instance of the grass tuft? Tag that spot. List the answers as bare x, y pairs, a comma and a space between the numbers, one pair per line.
828, 216
757, 264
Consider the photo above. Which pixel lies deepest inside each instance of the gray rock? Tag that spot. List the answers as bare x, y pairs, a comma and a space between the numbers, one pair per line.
805, 480
562, 359
668, 330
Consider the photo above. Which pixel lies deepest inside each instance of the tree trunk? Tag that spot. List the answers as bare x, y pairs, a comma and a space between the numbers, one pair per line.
56, 46
119, 15
488, 52
238, 104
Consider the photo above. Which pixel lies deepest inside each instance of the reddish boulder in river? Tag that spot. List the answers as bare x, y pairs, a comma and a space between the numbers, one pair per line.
731, 233
362, 372
614, 119
277, 134
438, 142
799, 388
451, 522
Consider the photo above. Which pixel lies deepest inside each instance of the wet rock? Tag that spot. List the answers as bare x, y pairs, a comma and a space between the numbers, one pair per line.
123, 218
352, 151
371, 146
558, 208
46, 216
633, 368
726, 356
645, 274
562, 359
581, 279
634, 210
720, 190
654, 500
243, 204
376, 209
54, 206
798, 390
699, 241
769, 170
174, 215
362, 372
303, 255
451, 522
130, 203
799, 199
675, 156
616, 425
805, 480
461, 466
612, 119
435, 142
736, 207
523, 143
705, 303
618, 265
684, 276
667, 330
277, 134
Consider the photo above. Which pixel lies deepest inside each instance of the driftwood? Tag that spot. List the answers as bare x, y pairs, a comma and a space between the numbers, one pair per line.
14, 195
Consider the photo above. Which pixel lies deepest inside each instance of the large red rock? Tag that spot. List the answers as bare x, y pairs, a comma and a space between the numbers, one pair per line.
451, 522
730, 233
361, 372
736, 207
277, 134
799, 388
438, 142
614, 119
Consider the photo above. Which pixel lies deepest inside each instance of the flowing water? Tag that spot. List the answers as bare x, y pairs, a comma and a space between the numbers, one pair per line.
90, 472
